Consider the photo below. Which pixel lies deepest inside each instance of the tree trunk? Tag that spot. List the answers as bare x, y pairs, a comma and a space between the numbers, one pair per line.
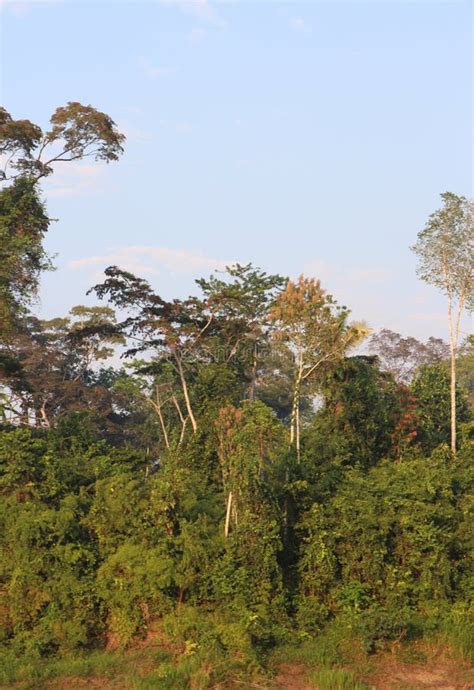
254, 374
182, 418
25, 414
44, 416
453, 399
453, 348
160, 417
298, 453
184, 386
227, 516
295, 413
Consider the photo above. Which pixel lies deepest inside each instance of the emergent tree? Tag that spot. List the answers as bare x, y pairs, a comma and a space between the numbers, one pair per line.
445, 250
27, 154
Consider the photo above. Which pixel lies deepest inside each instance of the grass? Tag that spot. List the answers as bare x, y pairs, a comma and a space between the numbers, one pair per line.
31, 672
144, 668
334, 660
334, 647
323, 650
336, 679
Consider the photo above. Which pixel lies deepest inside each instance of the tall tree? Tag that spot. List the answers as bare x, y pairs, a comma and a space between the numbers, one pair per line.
171, 330
224, 326
240, 304
445, 250
317, 331
27, 154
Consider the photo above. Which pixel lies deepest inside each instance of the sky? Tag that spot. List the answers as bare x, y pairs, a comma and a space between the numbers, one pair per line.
306, 137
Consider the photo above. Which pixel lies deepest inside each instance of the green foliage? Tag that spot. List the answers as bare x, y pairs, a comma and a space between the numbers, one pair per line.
23, 225
250, 445
445, 247
431, 388
465, 369
355, 426
389, 544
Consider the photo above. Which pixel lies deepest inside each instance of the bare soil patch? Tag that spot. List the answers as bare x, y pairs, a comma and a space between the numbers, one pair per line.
389, 675
441, 676
291, 677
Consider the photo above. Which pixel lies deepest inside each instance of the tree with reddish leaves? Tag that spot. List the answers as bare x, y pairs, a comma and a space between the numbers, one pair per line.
47, 366
406, 421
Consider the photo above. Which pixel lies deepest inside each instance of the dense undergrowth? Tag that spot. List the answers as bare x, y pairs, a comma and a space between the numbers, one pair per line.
99, 552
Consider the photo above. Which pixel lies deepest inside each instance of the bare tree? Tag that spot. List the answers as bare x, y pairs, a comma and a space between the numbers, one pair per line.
403, 356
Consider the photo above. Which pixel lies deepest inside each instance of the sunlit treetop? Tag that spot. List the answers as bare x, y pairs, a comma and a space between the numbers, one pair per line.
77, 131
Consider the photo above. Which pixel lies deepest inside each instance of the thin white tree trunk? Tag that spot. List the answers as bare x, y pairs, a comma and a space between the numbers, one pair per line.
453, 401
227, 516
298, 453
44, 416
295, 412
184, 386
453, 348
160, 417
182, 418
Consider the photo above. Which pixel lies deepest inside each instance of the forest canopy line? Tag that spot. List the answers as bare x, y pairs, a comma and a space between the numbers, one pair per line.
257, 469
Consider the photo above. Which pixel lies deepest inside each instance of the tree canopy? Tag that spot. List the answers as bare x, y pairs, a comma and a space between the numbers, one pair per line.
29, 154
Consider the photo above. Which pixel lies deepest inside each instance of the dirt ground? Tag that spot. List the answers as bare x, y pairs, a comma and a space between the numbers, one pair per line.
385, 671
390, 675
394, 676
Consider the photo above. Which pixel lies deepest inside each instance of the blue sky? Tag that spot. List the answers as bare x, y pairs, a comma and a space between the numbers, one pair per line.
308, 137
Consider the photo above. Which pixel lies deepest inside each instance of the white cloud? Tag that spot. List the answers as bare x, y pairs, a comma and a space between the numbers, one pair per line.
73, 180
202, 10
369, 275
183, 127
319, 269
361, 276
134, 134
197, 35
154, 71
20, 8
178, 126
300, 24
358, 288
17, 9
150, 260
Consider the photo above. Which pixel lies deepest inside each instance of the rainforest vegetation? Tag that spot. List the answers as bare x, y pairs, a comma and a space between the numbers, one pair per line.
237, 479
